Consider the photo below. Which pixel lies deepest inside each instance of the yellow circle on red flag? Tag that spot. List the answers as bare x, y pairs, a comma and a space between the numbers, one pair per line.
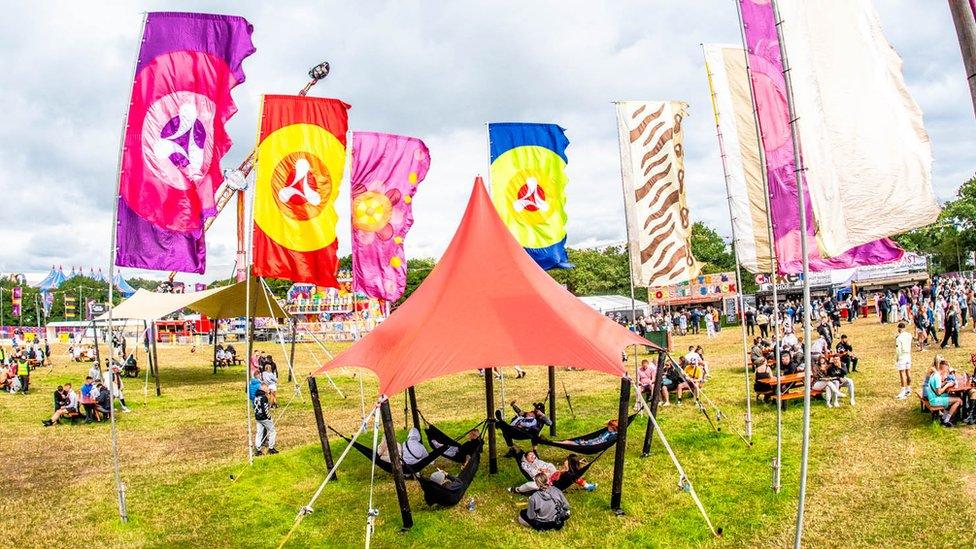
299, 167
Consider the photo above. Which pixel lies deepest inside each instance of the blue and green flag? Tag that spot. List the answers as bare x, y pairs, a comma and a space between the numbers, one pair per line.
528, 187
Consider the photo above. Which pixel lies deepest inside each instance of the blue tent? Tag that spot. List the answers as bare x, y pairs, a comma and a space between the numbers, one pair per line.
51, 281
123, 286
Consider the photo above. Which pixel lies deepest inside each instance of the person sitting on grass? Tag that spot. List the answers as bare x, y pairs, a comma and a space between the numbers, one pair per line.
937, 387
547, 508
846, 352
270, 379
68, 400
265, 433
608, 435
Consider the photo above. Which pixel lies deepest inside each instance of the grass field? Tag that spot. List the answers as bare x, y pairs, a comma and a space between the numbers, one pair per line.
881, 473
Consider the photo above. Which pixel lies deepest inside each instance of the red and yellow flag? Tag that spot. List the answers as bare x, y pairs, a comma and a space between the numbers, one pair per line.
300, 158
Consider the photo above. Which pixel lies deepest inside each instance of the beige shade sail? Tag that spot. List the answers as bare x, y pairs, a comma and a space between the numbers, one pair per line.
224, 302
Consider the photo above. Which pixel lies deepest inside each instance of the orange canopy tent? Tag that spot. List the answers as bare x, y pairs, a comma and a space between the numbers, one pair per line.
487, 304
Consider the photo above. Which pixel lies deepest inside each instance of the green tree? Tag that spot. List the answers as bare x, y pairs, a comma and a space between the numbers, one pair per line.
950, 240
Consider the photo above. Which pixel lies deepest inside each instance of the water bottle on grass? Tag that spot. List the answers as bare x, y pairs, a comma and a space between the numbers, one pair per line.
471, 504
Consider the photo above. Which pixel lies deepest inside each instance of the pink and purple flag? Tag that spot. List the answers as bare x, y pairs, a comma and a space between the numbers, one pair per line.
769, 88
175, 137
386, 170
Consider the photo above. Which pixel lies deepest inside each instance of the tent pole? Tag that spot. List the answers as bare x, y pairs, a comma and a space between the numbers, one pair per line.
399, 483
621, 448
552, 400
215, 346
149, 358
98, 353
155, 354
490, 410
802, 203
655, 397
313, 391
962, 17
412, 395
735, 253
291, 353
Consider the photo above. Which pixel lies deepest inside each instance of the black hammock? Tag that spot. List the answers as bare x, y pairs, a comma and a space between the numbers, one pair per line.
516, 433
588, 449
386, 465
565, 480
463, 449
437, 494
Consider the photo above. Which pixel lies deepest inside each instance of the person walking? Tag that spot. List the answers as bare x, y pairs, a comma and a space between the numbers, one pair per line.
903, 361
951, 326
265, 432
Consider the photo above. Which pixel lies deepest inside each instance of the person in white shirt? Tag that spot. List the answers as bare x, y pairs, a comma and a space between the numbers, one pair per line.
819, 347
95, 373
271, 379
903, 361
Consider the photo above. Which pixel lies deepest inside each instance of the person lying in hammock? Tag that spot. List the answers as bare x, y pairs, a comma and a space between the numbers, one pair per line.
529, 421
446, 480
413, 450
458, 453
571, 467
609, 435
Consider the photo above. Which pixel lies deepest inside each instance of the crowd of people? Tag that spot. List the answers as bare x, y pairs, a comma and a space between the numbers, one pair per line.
17, 363
680, 321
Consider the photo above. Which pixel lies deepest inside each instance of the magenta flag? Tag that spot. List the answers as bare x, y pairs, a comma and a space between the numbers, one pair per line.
386, 170
769, 87
175, 137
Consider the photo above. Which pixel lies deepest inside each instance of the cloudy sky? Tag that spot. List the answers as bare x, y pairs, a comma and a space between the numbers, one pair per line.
436, 70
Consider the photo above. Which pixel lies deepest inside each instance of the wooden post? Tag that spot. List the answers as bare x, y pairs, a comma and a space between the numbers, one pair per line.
215, 347
313, 390
962, 16
490, 409
98, 354
391, 443
621, 449
412, 395
155, 355
552, 400
655, 397
149, 357
291, 354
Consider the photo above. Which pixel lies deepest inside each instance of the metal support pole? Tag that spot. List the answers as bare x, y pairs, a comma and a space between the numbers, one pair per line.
802, 203
399, 483
291, 353
313, 391
155, 354
215, 346
552, 400
412, 395
621, 448
655, 397
962, 17
490, 410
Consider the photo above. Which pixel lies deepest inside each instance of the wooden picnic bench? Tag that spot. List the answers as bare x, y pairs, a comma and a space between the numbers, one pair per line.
791, 389
926, 407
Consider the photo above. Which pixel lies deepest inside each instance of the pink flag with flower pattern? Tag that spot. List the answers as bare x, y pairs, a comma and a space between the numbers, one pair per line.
386, 170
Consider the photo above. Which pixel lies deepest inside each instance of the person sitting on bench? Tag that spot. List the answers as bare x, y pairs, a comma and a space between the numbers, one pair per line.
937, 385
103, 401
68, 401
547, 508
645, 379
846, 352
837, 371
822, 381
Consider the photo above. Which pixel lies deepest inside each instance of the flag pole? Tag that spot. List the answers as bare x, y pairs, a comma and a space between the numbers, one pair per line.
735, 251
774, 320
630, 244
119, 486
801, 200
965, 23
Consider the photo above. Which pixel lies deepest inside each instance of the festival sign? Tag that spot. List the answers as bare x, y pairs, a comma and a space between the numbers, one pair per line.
528, 187
652, 167
386, 170
300, 160
175, 137
909, 264
70, 306
706, 287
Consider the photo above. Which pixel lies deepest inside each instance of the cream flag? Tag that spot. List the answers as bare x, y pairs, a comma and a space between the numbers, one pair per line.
865, 149
732, 103
653, 173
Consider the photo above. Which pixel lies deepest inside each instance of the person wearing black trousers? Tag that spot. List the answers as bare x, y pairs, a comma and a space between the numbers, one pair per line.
951, 327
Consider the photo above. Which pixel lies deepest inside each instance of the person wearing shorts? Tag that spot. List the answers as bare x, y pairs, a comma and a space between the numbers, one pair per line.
903, 361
